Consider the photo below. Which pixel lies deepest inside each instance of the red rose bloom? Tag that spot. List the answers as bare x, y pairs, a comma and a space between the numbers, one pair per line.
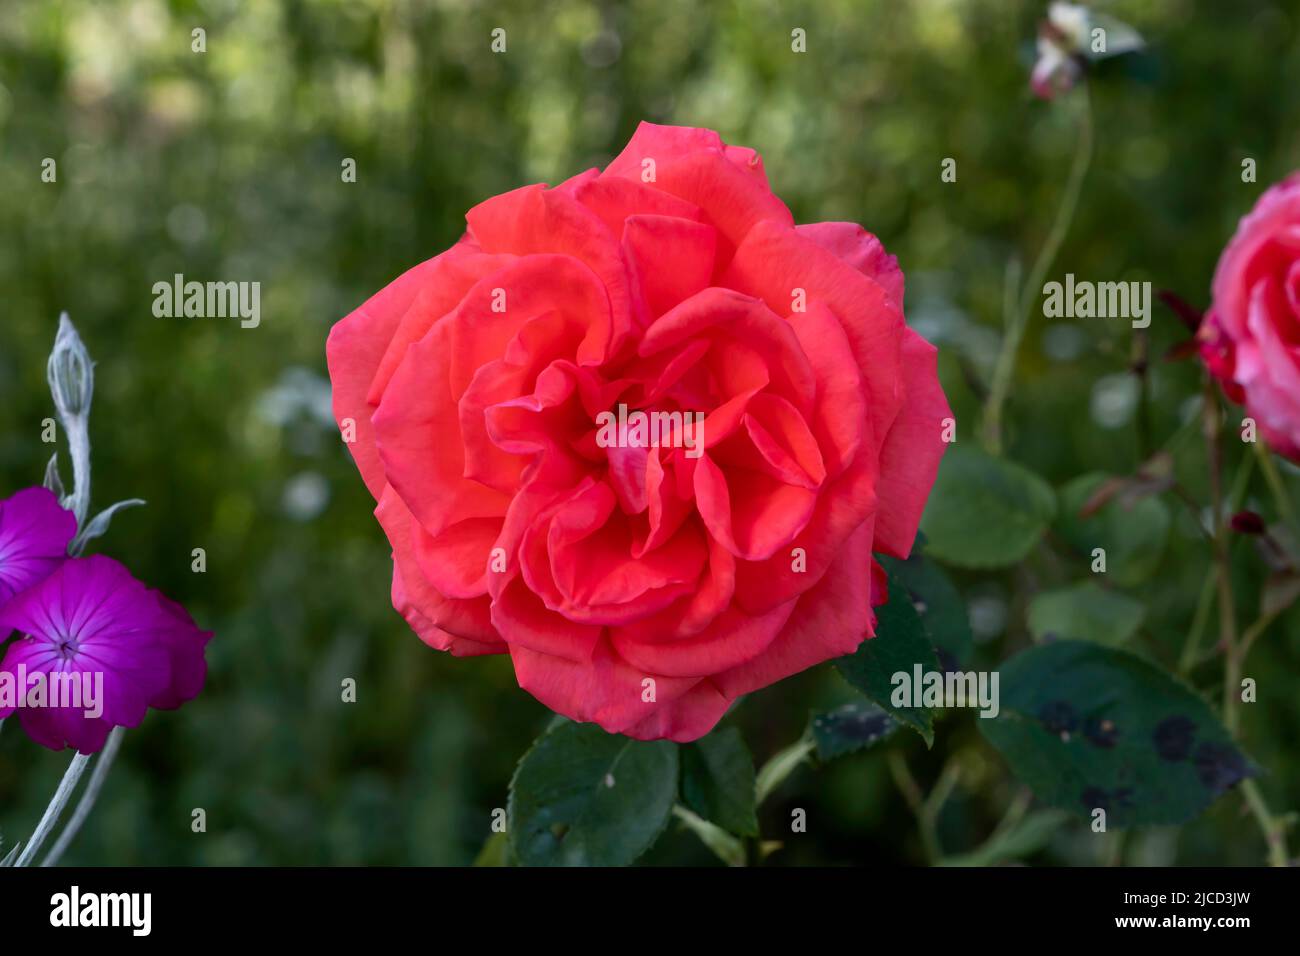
1250, 337
644, 585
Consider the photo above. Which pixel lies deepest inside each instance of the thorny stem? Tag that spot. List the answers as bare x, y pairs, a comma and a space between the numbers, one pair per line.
1212, 421
1016, 319
1191, 649
1274, 831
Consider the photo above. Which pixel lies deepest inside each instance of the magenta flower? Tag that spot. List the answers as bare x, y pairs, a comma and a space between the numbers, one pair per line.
97, 649
184, 643
34, 536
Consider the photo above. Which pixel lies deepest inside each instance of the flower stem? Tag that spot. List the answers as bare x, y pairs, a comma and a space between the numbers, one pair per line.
54, 810
1274, 830
1212, 423
1285, 510
1191, 648
915, 799
1017, 309
925, 808
1234, 652
87, 801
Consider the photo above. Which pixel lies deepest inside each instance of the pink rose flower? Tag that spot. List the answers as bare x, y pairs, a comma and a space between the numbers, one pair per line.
640, 585
1250, 337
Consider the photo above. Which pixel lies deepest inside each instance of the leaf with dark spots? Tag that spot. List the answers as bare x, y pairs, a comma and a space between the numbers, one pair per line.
850, 728
1083, 723
899, 646
1221, 766
1173, 737
1100, 731
1058, 717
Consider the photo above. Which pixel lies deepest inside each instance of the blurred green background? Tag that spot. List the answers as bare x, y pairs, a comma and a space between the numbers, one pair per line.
226, 165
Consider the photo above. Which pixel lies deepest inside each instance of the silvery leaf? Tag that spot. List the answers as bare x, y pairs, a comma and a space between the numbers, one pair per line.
99, 524
53, 481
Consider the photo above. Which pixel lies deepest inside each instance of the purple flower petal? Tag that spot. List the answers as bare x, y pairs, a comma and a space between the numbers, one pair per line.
92, 621
34, 537
185, 644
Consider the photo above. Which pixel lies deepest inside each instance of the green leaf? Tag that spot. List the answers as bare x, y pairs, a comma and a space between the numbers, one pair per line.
849, 729
1087, 726
899, 645
936, 600
718, 781
582, 797
727, 848
1133, 532
779, 767
1085, 611
495, 851
985, 512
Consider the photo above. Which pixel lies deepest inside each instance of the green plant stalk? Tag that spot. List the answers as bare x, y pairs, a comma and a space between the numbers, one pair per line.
1212, 422
1017, 319
1281, 498
1189, 658
915, 799
926, 808
1191, 649
1113, 848
1273, 830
